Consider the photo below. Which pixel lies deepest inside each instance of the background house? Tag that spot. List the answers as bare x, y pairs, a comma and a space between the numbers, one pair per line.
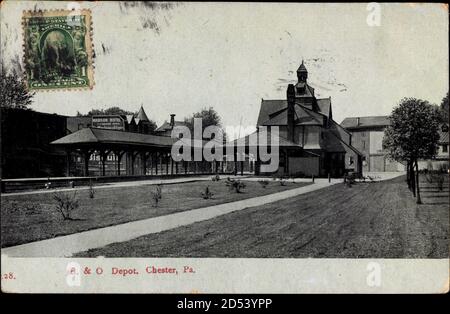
367, 137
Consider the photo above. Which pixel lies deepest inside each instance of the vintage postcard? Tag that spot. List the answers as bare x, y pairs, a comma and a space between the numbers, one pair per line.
224, 148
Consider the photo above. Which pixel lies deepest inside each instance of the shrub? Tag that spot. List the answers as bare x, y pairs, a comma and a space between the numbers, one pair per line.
283, 182
207, 194
215, 178
66, 203
349, 180
237, 186
91, 189
263, 183
156, 195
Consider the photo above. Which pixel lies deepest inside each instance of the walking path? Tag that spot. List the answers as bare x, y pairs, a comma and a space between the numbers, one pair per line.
68, 245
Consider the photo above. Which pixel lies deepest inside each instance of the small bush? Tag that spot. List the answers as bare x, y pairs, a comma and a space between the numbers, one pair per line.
156, 195
66, 203
283, 182
207, 194
215, 178
263, 183
349, 180
91, 189
237, 186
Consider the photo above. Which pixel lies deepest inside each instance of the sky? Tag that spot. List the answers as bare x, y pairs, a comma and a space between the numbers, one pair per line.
188, 56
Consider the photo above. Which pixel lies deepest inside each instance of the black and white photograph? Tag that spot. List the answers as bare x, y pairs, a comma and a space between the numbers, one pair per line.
226, 147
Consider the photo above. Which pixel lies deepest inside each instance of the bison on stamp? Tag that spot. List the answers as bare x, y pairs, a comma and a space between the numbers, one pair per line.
58, 50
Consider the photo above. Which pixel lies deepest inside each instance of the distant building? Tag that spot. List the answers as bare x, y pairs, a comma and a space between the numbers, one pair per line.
367, 137
311, 142
166, 128
138, 123
25, 144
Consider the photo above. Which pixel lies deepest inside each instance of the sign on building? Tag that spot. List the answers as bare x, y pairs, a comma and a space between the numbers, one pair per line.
113, 122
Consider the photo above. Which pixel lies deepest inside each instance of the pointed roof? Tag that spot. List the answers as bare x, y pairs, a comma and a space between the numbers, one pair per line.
302, 68
142, 116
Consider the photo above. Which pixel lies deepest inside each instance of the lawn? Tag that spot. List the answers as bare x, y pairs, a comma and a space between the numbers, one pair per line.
27, 218
367, 220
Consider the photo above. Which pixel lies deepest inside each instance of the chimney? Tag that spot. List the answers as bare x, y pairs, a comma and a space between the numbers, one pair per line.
172, 120
357, 121
290, 93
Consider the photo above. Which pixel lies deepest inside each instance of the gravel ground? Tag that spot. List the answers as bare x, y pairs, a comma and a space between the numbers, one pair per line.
368, 220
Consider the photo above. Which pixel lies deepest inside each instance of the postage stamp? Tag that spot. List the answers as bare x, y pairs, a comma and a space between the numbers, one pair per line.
58, 49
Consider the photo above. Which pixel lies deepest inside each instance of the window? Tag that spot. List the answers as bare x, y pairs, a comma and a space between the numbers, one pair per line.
444, 148
363, 134
350, 160
364, 144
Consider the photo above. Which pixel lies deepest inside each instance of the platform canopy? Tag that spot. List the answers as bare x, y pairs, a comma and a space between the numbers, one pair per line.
94, 137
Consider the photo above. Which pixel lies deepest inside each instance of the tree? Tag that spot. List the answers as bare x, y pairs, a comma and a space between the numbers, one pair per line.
109, 111
209, 117
412, 135
14, 93
444, 109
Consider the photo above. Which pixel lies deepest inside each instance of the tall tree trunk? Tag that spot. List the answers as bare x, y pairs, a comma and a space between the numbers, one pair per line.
408, 175
419, 201
413, 178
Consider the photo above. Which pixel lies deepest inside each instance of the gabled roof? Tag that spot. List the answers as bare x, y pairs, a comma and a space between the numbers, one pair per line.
303, 116
306, 116
245, 141
166, 126
365, 122
95, 135
273, 112
269, 107
325, 106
